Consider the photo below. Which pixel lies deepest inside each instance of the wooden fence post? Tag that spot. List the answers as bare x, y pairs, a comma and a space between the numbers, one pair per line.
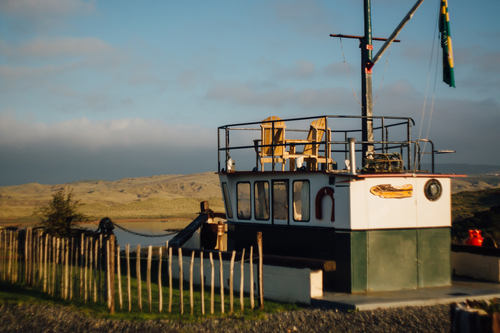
82, 256
86, 251
170, 280
242, 280
73, 278
108, 275
129, 287
261, 274
212, 289
9, 270
101, 257
94, 270
111, 275
118, 264
16, 251
160, 289
181, 282
61, 253
66, 272
150, 257
191, 283
26, 251
221, 278
40, 258
1, 254
138, 274
231, 282
58, 261
202, 284
252, 295
45, 253
32, 257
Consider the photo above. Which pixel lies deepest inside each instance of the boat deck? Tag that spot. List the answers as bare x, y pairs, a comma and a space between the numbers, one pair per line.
460, 290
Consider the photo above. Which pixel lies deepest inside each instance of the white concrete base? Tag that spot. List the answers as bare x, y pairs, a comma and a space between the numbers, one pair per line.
282, 284
476, 266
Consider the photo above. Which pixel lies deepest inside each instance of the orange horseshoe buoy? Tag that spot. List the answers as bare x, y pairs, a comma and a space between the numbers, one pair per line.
325, 191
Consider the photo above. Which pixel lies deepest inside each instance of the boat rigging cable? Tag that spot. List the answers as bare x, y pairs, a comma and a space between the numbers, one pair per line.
347, 70
383, 76
427, 87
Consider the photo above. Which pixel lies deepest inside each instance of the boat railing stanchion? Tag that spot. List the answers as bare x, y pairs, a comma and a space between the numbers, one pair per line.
352, 155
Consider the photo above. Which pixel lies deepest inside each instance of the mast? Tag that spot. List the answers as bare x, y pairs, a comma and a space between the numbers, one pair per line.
366, 83
365, 43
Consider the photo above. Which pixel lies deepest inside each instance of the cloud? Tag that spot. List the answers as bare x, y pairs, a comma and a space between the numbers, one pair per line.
41, 61
40, 49
46, 7
302, 69
35, 15
467, 126
87, 134
251, 94
308, 17
80, 149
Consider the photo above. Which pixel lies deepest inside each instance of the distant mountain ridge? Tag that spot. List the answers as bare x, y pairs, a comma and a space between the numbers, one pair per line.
461, 168
153, 197
169, 196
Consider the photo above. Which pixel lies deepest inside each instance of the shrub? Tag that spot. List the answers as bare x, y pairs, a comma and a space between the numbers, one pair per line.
60, 215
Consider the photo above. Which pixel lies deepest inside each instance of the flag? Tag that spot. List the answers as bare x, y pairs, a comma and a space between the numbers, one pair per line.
444, 30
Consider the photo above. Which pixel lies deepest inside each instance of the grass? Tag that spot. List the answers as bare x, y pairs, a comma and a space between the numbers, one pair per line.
20, 293
466, 204
476, 210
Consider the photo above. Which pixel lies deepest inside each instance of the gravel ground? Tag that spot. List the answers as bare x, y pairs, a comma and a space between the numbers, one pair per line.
44, 318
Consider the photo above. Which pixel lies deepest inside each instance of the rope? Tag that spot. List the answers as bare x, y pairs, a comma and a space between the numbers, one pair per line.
171, 232
427, 87
347, 70
383, 76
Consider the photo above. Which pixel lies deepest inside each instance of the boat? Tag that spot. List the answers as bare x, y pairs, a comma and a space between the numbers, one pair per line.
348, 189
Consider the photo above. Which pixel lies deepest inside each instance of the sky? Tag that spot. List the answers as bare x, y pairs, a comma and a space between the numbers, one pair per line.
114, 89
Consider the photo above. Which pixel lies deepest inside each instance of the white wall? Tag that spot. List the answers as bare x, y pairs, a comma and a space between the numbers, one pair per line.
476, 266
281, 284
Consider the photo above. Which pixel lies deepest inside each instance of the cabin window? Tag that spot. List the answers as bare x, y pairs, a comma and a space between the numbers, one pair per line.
301, 195
261, 192
243, 198
280, 200
227, 200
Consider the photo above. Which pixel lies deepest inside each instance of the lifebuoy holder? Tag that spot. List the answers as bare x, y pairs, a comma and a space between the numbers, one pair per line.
325, 191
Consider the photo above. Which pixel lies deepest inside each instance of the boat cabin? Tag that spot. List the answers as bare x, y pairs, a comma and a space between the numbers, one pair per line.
316, 190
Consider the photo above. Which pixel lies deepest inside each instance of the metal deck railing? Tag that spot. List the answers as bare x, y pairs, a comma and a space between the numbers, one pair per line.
390, 134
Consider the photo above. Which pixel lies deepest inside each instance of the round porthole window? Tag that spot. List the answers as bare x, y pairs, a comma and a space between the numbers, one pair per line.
433, 189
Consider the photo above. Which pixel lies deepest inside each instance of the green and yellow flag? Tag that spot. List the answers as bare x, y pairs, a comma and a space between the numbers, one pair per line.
444, 29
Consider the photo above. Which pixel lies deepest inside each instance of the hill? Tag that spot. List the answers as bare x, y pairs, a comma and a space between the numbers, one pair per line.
476, 210
154, 197
163, 197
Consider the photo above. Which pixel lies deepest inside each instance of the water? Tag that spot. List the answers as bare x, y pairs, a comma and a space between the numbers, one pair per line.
149, 228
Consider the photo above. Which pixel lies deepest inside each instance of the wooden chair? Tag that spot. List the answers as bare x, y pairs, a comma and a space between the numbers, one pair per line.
311, 148
272, 133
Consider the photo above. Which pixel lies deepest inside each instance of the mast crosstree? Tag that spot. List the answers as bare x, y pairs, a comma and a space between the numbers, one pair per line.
367, 64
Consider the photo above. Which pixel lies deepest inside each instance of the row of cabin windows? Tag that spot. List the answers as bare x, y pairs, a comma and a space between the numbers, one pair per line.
261, 200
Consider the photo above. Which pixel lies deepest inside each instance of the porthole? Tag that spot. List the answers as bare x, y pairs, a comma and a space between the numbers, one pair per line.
433, 189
